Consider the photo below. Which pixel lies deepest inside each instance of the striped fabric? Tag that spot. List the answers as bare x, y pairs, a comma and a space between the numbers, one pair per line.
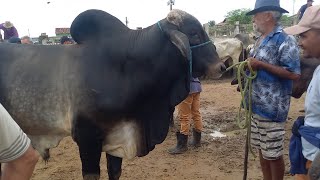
268, 136
13, 141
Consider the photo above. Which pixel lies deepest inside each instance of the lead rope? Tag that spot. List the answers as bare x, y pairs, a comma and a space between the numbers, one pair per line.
191, 47
245, 122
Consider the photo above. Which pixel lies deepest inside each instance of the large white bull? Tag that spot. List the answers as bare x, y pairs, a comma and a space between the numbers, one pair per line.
230, 51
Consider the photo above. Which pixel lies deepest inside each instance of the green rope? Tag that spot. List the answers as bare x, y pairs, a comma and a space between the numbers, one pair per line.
245, 122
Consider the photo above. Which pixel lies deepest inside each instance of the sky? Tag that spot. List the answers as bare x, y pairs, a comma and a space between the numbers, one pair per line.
33, 17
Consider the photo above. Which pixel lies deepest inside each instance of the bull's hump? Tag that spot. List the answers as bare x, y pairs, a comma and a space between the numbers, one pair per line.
92, 25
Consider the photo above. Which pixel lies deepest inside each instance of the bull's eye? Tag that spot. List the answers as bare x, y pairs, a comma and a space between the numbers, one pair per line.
193, 33
194, 39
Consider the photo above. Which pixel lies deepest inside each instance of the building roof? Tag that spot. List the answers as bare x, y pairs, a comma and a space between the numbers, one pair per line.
59, 31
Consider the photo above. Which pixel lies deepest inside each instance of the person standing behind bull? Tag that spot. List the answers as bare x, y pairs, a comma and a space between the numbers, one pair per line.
275, 57
308, 30
8, 30
189, 107
303, 9
26, 40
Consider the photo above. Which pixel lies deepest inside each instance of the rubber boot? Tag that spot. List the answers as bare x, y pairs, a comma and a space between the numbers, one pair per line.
181, 147
196, 138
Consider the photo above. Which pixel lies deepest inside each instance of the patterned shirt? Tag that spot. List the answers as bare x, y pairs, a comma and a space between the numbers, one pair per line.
271, 94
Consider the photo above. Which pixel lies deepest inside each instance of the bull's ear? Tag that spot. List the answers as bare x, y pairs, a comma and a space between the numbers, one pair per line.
181, 41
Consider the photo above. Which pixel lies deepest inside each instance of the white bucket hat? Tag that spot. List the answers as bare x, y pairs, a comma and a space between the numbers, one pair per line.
7, 24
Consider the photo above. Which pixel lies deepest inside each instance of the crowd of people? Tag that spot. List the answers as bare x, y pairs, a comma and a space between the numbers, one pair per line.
276, 58
11, 35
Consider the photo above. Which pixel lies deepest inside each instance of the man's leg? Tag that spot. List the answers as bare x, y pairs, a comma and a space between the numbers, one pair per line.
21, 168
277, 168
265, 167
257, 135
195, 111
184, 111
268, 136
197, 120
272, 148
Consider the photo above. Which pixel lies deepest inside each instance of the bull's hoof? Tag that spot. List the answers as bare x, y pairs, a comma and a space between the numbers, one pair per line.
115, 177
91, 177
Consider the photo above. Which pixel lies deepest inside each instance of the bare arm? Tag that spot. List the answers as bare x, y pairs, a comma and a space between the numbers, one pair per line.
276, 70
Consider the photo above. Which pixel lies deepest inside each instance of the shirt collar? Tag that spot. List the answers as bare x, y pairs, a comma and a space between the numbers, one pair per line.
276, 30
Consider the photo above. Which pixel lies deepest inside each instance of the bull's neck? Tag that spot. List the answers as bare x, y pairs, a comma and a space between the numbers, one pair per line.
145, 41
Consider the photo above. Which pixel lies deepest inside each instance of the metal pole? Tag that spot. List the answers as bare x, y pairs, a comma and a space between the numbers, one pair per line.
170, 3
294, 2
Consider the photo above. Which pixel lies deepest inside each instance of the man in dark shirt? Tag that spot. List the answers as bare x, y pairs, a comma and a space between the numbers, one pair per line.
303, 8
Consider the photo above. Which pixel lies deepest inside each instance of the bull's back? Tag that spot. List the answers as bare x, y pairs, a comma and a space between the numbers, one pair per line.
35, 86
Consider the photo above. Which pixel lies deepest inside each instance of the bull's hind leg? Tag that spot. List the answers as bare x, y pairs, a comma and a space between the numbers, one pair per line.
114, 167
88, 136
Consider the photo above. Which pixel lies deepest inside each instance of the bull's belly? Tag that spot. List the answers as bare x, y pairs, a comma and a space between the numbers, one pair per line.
46, 133
123, 140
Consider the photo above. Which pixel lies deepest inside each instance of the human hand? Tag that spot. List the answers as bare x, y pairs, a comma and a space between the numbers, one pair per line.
254, 63
235, 82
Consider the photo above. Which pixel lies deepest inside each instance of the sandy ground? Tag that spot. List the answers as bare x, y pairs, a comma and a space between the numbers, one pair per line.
216, 159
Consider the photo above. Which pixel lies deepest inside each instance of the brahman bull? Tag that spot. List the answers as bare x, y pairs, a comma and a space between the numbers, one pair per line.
231, 51
308, 65
246, 39
115, 91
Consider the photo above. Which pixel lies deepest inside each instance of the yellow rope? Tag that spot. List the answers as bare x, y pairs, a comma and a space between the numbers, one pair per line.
245, 122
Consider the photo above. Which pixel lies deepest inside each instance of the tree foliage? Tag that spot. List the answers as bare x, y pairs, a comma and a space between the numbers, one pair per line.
211, 23
286, 20
238, 15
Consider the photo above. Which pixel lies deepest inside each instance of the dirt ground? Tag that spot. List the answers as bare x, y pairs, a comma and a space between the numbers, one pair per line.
216, 159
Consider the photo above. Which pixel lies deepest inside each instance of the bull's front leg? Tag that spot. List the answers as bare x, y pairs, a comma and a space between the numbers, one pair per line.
88, 136
114, 167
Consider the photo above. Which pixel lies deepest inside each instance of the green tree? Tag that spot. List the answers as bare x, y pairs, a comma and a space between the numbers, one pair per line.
238, 15
211, 23
286, 20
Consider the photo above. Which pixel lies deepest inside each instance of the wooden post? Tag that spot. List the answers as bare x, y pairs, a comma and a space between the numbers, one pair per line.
127, 22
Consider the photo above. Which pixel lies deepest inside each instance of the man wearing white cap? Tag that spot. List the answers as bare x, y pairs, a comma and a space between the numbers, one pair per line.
308, 30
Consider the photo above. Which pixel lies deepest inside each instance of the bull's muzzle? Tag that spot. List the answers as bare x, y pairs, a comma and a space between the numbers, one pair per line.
216, 70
